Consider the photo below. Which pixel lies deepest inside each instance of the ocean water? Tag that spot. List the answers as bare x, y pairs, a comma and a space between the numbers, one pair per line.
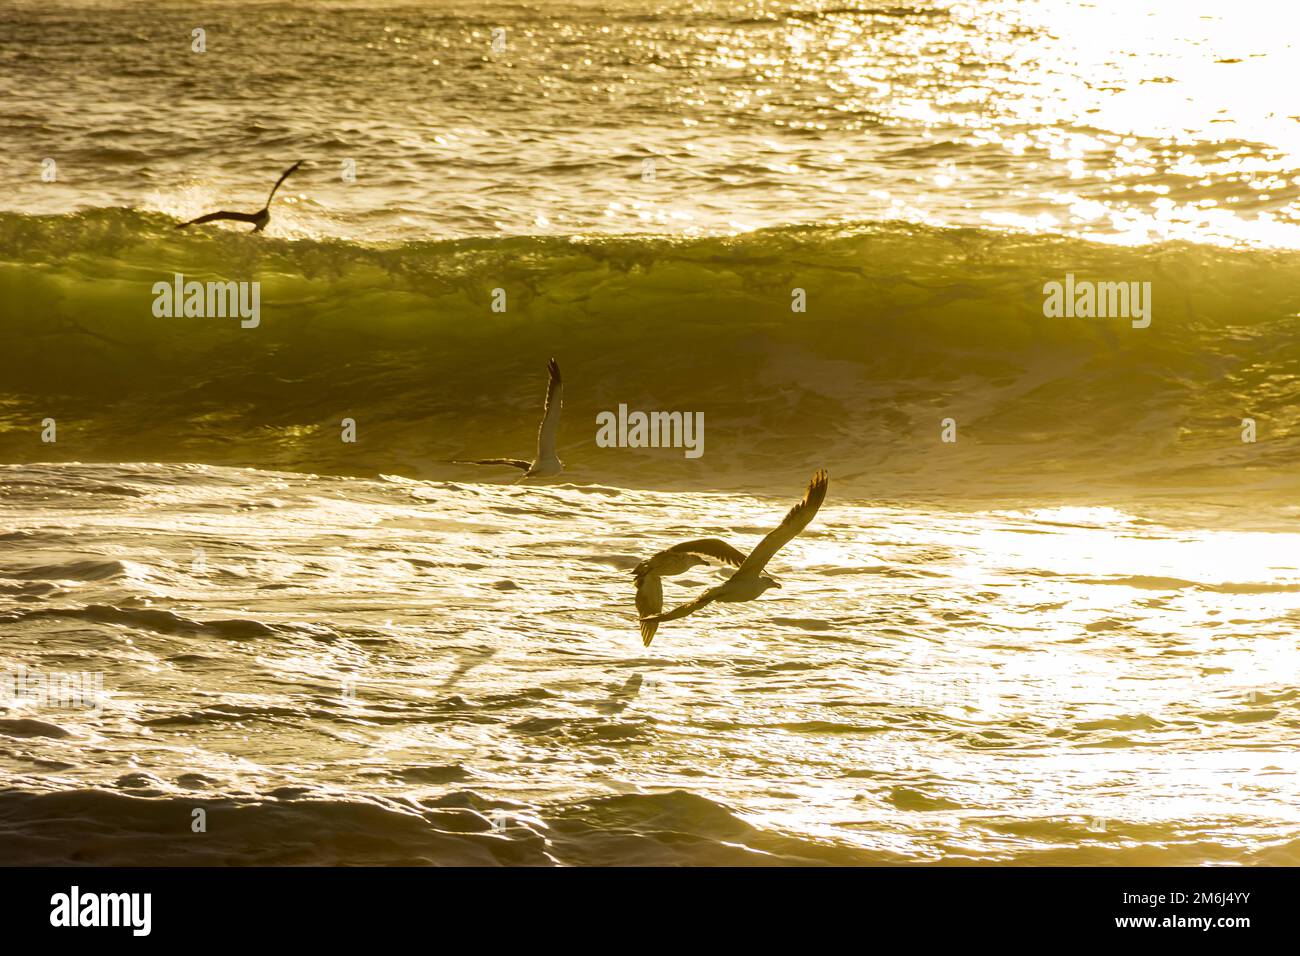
1138, 121
381, 671
1068, 637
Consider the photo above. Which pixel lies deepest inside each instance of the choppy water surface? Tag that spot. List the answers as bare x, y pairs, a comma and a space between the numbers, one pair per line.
1067, 638
399, 671
1134, 120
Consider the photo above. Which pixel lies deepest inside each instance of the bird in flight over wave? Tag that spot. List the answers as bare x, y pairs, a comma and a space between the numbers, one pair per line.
259, 219
678, 559
749, 581
547, 462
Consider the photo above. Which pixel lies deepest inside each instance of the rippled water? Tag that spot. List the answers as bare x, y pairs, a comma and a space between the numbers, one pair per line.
401, 671
1067, 638
1136, 120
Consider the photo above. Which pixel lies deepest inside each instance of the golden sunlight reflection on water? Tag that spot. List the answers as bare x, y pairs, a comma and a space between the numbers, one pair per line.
1046, 684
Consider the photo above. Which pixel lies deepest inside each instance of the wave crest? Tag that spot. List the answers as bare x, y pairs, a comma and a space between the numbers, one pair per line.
904, 326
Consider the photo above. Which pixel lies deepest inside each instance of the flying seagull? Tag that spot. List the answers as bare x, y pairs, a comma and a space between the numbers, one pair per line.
678, 559
548, 462
259, 218
749, 581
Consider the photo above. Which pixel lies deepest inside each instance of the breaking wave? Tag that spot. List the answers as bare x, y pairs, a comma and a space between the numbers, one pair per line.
904, 326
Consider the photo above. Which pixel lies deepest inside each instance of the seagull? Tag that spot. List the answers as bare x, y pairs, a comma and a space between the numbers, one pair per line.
548, 462
678, 559
749, 581
259, 218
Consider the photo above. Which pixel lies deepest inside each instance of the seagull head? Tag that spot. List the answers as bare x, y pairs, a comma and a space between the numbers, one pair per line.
769, 582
